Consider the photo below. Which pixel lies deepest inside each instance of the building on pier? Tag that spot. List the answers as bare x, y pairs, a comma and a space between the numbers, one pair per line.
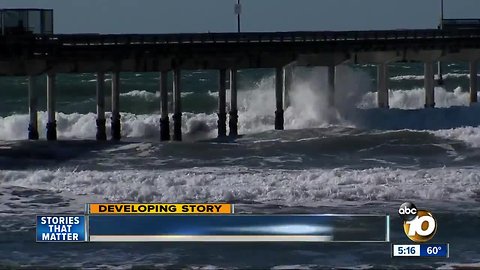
26, 21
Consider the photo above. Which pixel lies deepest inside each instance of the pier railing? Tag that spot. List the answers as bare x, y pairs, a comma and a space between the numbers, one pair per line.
253, 37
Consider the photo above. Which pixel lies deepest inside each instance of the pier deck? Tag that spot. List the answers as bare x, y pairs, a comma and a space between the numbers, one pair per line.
37, 54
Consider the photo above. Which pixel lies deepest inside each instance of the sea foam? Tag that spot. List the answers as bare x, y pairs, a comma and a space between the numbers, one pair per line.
415, 98
237, 184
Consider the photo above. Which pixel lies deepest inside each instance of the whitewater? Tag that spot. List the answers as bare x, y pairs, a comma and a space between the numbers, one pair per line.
353, 158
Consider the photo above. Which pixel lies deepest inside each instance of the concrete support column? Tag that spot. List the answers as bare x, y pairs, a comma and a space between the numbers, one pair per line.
233, 114
279, 76
177, 106
382, 86
101, 129
288, 85
116, 126
439, 73
473, 82
164, 121
429, 86
32, 108
331, 86
51, 121
222, 103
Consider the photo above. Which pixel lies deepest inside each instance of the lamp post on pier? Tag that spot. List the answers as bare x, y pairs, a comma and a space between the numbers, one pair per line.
441, 12
440, 72
238, 12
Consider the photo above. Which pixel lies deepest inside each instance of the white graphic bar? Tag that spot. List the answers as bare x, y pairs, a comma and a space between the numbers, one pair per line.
210, 238
406, 250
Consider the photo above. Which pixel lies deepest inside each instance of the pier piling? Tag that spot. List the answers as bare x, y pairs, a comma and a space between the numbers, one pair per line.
288, 84
473, 82
164, 121
279, 85
51, 121
177, 106
233, 114
222, 114
429, 86
116, 126
382, 86
331, 86
32, 108
439, 73
101, 129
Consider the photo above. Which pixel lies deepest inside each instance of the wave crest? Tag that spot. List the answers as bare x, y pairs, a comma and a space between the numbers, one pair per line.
415, 98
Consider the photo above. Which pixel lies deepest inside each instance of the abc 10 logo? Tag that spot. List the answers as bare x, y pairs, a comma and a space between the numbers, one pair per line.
419, 225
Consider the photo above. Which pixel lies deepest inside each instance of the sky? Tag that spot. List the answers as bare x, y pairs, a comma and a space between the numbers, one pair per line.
183, 16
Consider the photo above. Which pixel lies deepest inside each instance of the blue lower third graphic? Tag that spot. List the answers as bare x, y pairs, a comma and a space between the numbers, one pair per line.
237, 228
211, 228
61, 229
434, 250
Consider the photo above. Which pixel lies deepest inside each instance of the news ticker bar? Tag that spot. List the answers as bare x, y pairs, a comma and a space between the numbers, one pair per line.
158, 208
421, 250
213, 228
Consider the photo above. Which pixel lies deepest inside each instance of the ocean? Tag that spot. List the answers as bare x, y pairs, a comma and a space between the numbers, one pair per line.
353, 158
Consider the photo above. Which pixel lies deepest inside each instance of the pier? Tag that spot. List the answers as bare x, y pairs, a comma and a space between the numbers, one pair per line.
51, 54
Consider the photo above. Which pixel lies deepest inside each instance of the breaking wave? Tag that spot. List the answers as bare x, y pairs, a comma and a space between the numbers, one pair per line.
146, 95
415, 98
421, 77
238, 184
306, 108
